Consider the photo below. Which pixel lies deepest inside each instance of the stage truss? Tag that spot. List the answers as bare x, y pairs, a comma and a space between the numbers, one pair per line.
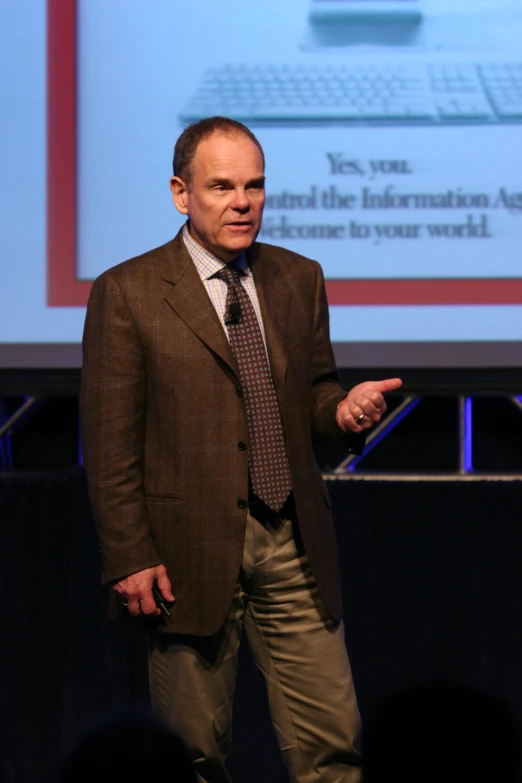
350, 469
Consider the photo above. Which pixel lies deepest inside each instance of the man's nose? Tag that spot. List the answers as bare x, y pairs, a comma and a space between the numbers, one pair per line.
240, 201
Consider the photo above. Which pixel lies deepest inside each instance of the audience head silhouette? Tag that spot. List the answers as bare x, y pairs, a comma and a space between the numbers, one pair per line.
441, 732
129, 749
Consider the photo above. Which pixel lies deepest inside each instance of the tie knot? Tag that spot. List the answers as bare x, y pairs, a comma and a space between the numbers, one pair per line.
230, 274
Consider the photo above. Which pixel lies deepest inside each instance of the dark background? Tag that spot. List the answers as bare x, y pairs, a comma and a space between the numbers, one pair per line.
430, 562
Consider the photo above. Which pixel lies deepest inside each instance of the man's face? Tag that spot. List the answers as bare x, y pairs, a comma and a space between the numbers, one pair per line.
226, 196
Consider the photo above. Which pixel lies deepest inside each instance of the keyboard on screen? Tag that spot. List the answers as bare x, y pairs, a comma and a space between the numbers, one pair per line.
431, 93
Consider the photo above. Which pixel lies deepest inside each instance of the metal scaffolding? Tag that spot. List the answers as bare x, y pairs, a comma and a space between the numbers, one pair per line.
350, 467
9, 423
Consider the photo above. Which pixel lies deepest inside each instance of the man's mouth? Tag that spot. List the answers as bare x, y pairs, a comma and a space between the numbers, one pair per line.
240, 226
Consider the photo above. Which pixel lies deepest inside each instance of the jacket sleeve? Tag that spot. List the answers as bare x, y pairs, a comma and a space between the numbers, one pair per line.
112, 411
326, 390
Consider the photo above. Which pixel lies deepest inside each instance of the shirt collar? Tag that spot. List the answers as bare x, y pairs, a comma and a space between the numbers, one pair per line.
207, 264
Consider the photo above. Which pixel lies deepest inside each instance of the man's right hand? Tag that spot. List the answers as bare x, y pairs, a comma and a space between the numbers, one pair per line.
135, 591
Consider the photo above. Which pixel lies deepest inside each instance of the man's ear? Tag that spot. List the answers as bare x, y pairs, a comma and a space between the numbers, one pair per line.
179, 191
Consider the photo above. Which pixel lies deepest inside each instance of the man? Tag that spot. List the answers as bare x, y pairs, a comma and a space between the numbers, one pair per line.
207, 368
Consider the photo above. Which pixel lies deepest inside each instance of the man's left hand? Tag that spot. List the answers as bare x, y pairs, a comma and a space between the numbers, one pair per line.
364, 405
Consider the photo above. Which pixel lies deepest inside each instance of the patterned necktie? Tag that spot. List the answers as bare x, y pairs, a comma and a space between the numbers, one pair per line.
267, 457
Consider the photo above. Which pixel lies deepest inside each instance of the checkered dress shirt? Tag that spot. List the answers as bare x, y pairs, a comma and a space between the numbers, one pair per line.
208, 265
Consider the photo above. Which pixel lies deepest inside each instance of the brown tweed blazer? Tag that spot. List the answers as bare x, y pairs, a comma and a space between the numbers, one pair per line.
162, 416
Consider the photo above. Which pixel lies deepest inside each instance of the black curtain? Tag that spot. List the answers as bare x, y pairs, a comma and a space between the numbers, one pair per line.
432, 588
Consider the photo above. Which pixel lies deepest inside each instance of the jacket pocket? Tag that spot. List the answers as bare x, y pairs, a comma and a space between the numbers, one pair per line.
163, 497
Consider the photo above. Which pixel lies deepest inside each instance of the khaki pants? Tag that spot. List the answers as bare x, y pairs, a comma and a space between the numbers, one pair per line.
298, 649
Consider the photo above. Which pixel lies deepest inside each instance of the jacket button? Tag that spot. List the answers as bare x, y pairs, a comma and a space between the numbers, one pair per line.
239, 391
241, 446
241, 503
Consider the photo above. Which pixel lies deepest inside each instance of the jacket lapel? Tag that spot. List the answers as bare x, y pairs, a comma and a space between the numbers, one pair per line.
186, 294
272, 293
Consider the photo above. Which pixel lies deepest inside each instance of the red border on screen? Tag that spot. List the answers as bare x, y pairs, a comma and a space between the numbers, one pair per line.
63, 287
424, 292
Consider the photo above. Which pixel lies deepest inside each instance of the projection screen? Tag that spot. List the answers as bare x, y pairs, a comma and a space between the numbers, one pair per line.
392, 132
